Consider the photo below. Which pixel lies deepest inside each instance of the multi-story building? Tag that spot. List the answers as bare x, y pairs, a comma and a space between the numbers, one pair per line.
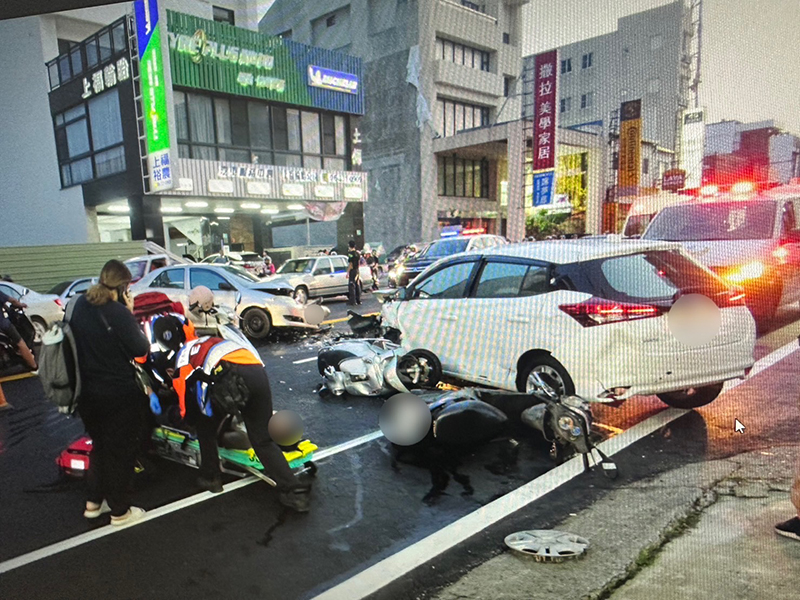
260, 134
647, 57
760, 151
442, 135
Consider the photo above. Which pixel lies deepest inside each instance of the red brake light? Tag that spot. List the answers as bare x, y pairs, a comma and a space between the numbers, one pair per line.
59, 302
737, 297
598, 311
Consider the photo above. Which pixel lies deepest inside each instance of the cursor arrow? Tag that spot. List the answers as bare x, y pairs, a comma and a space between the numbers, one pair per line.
738, 427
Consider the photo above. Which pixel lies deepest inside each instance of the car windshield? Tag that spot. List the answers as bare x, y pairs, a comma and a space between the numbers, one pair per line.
636, 224
240, 274
728, 221
137, 268
297, 266
444, 248
60, 288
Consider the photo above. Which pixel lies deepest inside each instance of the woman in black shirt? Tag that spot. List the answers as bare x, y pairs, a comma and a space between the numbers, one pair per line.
112, 405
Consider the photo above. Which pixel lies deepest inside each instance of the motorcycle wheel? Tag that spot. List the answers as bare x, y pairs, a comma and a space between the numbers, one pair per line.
419, 369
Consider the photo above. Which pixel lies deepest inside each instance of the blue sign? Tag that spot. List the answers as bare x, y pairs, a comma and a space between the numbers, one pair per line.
146, 21
332, 80
543, 188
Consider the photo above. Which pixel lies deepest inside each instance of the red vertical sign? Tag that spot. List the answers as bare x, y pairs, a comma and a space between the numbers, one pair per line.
546, 95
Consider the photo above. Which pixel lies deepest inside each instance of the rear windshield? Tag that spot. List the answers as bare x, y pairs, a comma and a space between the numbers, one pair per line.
444, 248
250, 257
60, 288
137, 268
655, 277
636, 224
738, 220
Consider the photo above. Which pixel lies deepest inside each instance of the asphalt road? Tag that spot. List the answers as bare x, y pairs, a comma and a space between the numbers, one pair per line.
367, 504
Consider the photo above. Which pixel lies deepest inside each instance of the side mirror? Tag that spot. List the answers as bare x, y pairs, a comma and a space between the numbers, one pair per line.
226, 287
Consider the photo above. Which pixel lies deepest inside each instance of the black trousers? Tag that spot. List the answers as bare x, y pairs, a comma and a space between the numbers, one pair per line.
354, 290
115, 421
256, 415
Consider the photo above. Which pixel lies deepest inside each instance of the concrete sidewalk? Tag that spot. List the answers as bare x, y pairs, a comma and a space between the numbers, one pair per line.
701, 531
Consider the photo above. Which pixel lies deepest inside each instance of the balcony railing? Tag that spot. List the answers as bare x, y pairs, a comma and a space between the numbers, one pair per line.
84, 57
472, 7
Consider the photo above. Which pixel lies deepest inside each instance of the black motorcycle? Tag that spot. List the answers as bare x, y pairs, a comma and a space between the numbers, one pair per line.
9, 354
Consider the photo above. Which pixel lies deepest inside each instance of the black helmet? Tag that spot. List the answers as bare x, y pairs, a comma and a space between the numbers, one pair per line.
169, 333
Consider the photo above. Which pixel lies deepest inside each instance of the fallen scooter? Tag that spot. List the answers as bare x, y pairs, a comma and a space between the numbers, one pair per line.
9, 354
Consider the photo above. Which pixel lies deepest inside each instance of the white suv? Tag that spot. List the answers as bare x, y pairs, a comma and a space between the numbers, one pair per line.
589, 315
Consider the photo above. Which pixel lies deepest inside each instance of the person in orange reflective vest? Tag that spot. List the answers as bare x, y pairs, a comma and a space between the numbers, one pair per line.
202, 365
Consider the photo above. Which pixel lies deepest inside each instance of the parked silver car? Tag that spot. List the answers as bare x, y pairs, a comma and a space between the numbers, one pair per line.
259, 305
317, 277
67, 290
43, 309
250, 261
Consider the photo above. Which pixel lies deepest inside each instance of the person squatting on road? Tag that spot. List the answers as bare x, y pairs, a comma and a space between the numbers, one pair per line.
791, 528
238, 376
7, 327
112, 405
353, 275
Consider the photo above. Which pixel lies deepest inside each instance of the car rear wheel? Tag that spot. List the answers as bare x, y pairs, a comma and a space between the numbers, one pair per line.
549, 369
693, 397
39, 329
256, 323
301, 294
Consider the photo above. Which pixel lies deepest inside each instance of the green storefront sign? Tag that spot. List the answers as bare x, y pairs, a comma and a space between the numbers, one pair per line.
220, 58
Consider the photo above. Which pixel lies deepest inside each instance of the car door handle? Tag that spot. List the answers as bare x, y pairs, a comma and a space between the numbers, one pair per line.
448, 317
519, 319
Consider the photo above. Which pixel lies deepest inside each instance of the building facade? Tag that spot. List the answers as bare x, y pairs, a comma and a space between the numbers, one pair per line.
441, 88
259, 136
647, 58
760, 151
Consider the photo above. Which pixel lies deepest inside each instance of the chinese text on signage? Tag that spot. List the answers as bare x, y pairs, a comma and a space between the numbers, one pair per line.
106, 77
154, 94
545, 90
692, 146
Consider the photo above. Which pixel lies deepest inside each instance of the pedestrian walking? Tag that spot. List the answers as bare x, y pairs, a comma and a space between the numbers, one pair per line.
791, 528
112, 404
353, 275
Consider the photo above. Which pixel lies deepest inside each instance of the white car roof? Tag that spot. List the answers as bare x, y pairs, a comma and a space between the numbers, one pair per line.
570, 251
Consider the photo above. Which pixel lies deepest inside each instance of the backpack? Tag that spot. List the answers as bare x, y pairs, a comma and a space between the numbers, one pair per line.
58, 365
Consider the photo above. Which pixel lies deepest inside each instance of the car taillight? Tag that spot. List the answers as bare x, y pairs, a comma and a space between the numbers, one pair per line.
598, 311
59, 302
736, 297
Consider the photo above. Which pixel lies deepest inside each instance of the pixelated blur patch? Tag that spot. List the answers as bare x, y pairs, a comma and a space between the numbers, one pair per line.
315, 314
694, 320
286, 427
405, 419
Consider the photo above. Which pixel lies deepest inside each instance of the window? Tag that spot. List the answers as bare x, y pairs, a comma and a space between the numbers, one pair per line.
566, 104
719, 221
511, 280
506, 38
213, 281
566, 66
508, 86
586, 60
171, 278
323, 267
463, 177
339, 264
473, 6
447, 283
83, 157
454, 116
459, 54
587, 100
645, 166
615, 161
330, 21
224, 15
10, 292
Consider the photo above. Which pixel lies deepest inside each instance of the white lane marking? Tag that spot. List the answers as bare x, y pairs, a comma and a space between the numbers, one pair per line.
765, 363
403, 562
305, 360
90, 536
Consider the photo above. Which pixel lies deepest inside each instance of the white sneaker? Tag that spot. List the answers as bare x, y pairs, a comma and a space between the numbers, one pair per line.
94, 513
134, 514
